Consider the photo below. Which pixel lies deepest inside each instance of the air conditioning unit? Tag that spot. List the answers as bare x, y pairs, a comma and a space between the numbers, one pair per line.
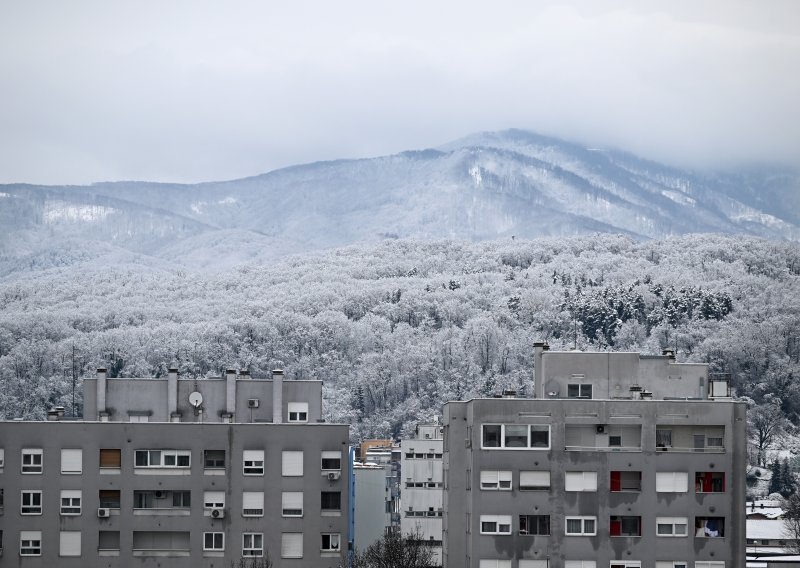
218, 513
427, 436
253, 403
601, 429
159, 494
334, 475
103, 513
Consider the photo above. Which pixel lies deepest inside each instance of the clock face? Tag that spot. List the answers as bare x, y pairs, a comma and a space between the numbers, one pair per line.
196, 399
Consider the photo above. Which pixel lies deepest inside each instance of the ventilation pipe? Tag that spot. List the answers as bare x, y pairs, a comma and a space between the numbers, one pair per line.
277, 396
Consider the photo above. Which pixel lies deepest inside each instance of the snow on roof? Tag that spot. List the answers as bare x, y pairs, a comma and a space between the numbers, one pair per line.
766, 529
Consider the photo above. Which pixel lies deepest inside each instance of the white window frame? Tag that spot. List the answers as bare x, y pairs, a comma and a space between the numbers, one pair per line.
30, 543
211, 500
69, 543
496, 480
213, 547
583, 521
582, 387
298, 412
672, 482
163, 456
528, 446
73, 498
292, 463
534, 480
30, 495
291, 503
673, 523
35, 461
71, 461
625, 564
331, 455
580, 564
329, 547
256, 501
253, 545
492, 563
499, 521
585, 481
292, 545
253, 462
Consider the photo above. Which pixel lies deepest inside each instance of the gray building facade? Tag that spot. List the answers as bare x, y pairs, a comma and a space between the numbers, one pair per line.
176, 472
589, 475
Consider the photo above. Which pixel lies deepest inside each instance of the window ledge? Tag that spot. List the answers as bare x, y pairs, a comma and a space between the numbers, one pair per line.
167, 512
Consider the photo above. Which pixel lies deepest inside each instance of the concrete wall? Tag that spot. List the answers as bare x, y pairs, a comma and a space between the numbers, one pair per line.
370, 506
465, 502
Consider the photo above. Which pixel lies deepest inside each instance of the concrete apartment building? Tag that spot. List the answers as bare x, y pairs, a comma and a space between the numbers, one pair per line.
177, 472
422, 484
620, 461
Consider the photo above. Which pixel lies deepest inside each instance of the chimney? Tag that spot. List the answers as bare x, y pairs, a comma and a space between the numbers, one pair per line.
230, 391
172, 392
539, 347
102, 376
669, 353
277, 396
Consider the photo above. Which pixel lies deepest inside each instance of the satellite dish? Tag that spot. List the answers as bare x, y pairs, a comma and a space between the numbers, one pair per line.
196, 399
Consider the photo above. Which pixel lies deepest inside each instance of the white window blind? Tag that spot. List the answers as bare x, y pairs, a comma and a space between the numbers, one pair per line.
580, 481
292, 464
580, 564
292, 503
672, 481
253, 503
531, 480
213, 499
71, 461
533, 564
253, 462
495, 480
292, 545
484, 563
70, 543
298, 411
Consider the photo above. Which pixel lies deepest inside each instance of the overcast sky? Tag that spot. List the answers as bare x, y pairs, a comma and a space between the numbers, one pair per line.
192, 91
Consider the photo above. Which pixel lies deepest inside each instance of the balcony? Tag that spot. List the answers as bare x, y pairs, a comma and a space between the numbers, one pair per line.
603, 438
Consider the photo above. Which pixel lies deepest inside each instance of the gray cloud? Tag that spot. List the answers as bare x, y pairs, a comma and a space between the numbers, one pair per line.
191, 91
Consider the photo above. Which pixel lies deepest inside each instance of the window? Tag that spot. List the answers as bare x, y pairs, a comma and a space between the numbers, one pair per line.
292, 545
579, 391
534, 524
144, 499
331, 542
331, 501
672, 482
534, 480
214, 499
69, 543
253, 544
31, 503
214, 459
213, 541
709, 482
163, 458
580, 481
670, 564
109, 498
581, 526
663, 438
298, 412
492, 480
32, 460
71, 461
580, 564
70, 501
516, 436
709, 527
292, 503
331, 460
625, 564
292, 464
181, 499
672, 526
110, 458
495, 524
494, 564
626, 481
30, 543
253, 504
108, 540
253, 462
625, 526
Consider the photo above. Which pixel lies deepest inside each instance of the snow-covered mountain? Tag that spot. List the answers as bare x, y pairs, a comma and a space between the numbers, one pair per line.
484, 186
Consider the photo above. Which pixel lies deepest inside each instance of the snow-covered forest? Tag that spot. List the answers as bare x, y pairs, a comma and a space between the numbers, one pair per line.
396, 329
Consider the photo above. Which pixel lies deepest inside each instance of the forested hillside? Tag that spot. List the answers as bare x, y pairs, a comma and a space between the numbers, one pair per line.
398, 328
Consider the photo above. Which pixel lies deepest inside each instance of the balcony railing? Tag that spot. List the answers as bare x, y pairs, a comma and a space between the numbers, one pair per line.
704, 450
603, 448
